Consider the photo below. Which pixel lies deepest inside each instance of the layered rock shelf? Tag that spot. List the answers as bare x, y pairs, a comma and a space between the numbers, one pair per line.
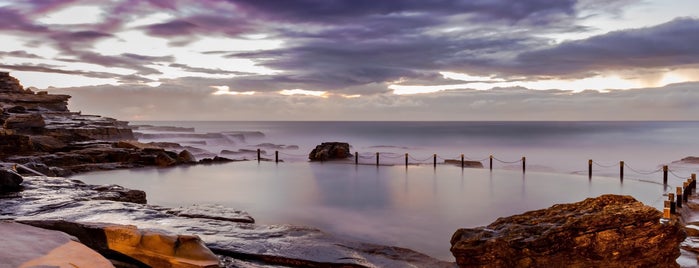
39, 131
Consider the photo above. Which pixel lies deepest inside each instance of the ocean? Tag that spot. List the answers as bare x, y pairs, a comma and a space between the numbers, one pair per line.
418, 206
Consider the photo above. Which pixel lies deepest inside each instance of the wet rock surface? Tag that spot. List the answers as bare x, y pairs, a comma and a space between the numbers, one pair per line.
330, 151
607, 231
46, 199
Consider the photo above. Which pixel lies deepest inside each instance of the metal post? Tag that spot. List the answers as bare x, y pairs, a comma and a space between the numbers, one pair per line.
276, 156
491, 162
462, 160
377, 159
589, 168
258, 155
665, 175
434, 160
671, 198
524, 164
621, 170
406, 159
356, 158
678, 193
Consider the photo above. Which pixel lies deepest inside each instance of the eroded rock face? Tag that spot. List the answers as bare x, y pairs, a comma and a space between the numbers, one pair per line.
26, 246
607, 231
150, 247
329, 151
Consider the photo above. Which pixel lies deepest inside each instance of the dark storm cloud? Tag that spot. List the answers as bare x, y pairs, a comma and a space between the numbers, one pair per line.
19, 54
172, 28
13, 20
350, 10
188, 68
667, 45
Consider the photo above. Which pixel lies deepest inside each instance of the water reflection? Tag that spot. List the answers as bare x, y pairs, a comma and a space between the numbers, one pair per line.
418, 207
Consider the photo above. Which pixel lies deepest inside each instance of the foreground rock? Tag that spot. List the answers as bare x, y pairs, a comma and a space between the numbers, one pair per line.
149, 247
48, 200
27, 246
607, 231
329, 151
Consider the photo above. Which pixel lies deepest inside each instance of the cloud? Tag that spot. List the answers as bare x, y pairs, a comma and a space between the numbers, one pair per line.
674, 102
663, 46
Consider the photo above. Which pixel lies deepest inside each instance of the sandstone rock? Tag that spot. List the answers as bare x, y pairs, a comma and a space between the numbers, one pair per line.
150, 247
26, 246
10, 180
132, 144
607, 231
24, 121
47, 143
329, 151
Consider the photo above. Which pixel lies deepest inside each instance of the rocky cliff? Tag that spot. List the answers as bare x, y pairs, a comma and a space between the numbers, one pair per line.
607, 231
38, 130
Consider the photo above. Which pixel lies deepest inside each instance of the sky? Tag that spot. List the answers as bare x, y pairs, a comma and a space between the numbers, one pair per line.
463, 60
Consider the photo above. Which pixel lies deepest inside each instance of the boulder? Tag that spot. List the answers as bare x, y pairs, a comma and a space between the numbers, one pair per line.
24, 121
150, 247
607, 231
118, 193
186, 157
330, 151
689, 160
26, 246
162, 159
10, 181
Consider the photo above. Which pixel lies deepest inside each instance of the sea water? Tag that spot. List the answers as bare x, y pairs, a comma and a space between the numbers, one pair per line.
419, 206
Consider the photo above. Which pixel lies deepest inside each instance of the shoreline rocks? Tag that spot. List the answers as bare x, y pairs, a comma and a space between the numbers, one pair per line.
609, 231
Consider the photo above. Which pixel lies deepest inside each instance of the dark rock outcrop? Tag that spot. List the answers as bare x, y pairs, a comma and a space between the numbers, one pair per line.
330, 151
607, 231
689, 160
10, 180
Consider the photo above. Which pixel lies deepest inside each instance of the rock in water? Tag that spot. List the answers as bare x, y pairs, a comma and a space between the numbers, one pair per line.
607, 231
329, 151
10, 180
